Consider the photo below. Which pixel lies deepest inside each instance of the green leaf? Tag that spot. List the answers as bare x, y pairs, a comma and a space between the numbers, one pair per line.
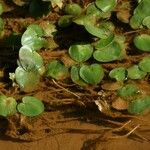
76, 77
92, 74
134, 72
56, 70
30, 106
109, 25
128, 90
110, 53
27, 80
65, 21
31, 38
146, 22
139, 106
102, 43
92, 9
100, 32
144, 64
141, 11
36, 29
118, 73
106, 5
7, 106
80, 52
73, 9
84, 19
142, 42
30, 60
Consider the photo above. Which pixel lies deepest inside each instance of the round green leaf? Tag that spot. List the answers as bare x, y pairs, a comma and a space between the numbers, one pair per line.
65, 21
135, 21
139, 106
36, 29
102, 43
118, 73
27, 80
80, 52
7, 106
146, 22
141, 11
100, 31
30, 106
144, 64
142, 42
30, 60
106, 5
30, 38
73, 9
56, 70
110, 53
128, 90
92, 74
134, 72
76, 77
92, 10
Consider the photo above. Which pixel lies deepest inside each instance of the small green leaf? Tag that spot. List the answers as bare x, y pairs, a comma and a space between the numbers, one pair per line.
134, 72
106, 5
94, 11
65, 21
76, 77
92, 74
109, 25
7, 106
139, 106
30, 60
36, 29
56, 70
140, 13
142, 42
144, 64
101, 31
80, 52
109, 53
27, 80
118, 73
146, 22
73, 9
128, 90
31, 38
102, 43
30, 106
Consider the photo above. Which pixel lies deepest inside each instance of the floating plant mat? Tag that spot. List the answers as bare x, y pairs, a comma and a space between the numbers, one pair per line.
86, 61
